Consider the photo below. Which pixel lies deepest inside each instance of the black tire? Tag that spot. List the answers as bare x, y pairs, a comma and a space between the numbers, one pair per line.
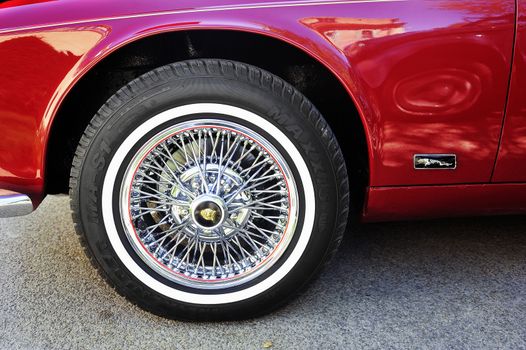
208, 81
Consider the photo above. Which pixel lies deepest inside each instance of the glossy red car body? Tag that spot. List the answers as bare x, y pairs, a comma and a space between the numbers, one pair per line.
426, 76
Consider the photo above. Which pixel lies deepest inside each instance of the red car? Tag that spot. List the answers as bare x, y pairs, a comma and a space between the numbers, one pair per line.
213, 150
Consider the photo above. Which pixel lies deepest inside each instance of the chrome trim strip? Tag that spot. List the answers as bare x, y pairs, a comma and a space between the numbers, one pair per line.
204, 9
14, 204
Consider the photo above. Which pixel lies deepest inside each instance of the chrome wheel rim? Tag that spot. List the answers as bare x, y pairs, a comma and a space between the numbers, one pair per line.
209, 203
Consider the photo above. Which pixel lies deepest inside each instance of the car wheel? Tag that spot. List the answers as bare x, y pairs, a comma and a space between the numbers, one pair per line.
209, 189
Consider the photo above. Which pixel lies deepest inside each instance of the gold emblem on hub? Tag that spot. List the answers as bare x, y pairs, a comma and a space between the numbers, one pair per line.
208, 214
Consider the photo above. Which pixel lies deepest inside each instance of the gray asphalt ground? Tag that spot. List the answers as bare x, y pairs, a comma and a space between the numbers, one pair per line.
441, 284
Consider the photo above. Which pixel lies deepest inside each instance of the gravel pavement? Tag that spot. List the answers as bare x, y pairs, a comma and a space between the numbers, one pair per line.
437, 284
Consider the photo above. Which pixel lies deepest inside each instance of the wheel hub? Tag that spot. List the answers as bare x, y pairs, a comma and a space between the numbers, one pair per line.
208, 212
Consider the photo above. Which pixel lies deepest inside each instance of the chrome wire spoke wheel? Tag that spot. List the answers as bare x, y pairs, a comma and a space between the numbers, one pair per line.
209, 190
209, 203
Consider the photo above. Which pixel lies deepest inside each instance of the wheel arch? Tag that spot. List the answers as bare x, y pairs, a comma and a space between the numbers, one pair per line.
293, 62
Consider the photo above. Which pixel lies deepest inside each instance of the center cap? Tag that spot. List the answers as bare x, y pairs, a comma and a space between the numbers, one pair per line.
208, 211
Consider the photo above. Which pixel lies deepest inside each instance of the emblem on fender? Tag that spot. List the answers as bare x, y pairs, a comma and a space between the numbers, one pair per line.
435, 161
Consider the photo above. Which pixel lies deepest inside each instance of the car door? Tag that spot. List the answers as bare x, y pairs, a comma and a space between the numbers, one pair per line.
435, 76
511, 160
